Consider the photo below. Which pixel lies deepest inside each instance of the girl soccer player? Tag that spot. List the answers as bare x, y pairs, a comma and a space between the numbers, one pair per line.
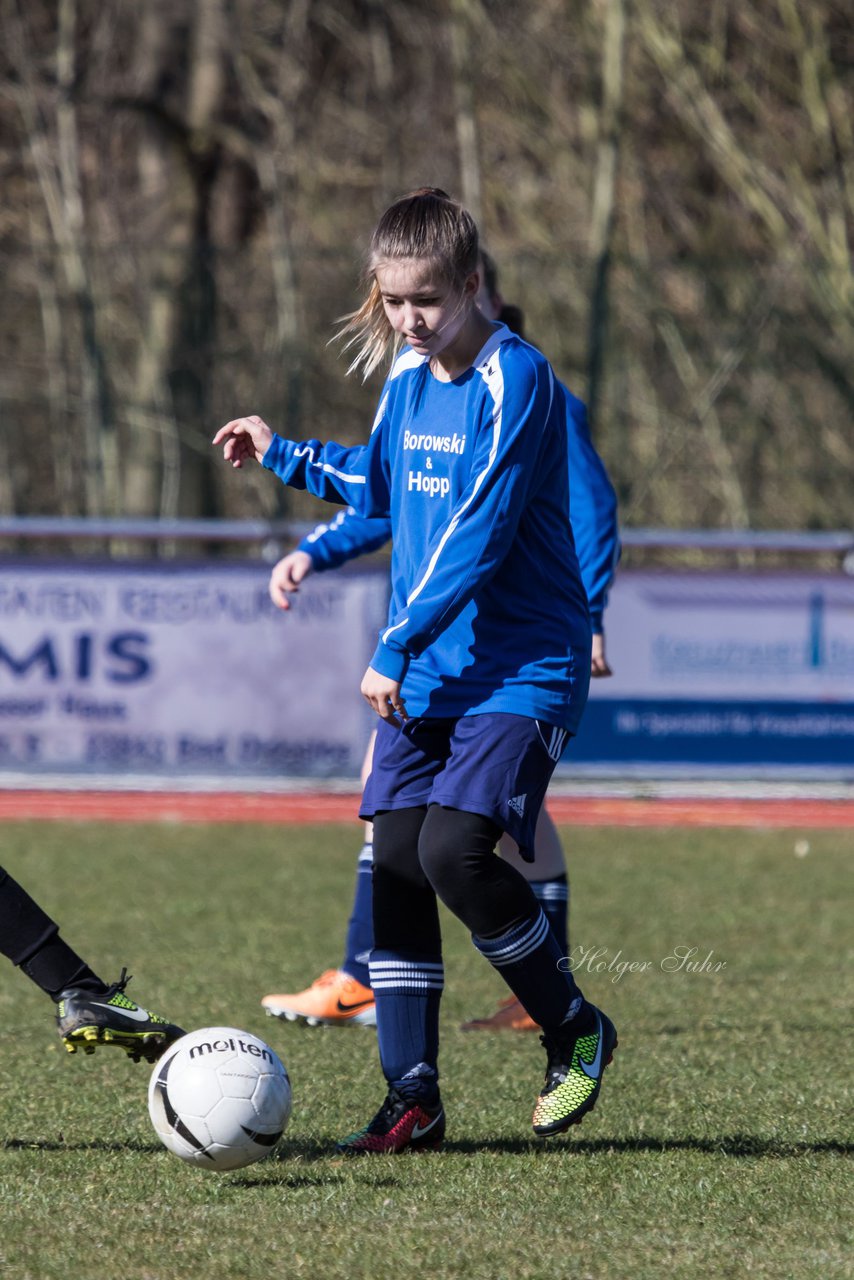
482, 671
343, 997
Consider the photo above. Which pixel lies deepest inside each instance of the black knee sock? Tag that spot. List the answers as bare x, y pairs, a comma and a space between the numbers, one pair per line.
497, 904
30, 939
457, 851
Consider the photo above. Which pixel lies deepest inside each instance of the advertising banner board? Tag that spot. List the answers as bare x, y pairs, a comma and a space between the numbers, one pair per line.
724, 673
183, 670
179, 671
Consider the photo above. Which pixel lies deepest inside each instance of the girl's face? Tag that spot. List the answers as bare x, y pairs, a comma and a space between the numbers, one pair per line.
422, 306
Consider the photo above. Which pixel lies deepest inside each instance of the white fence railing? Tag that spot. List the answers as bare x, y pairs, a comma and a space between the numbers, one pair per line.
838, 542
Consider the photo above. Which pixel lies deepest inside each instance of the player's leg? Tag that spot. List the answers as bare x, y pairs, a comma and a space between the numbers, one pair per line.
548, 879
500, 766
360, 927
359, 939
30, 939
407, 978
547, 875
89, 1011
406, 960
498, 906
341, 997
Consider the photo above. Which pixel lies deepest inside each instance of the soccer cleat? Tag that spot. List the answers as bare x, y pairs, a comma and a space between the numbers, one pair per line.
333, 1000
510, 1015
401, 1124
89, 1018
573, 1074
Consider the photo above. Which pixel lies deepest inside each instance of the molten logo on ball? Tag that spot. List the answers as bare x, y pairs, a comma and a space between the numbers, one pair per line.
219, 1098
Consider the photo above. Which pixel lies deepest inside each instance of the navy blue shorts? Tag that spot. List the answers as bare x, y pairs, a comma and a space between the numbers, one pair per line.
494, 764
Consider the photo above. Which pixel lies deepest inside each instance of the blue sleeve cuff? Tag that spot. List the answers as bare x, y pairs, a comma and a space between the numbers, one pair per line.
319, 562
392, 663
274, 454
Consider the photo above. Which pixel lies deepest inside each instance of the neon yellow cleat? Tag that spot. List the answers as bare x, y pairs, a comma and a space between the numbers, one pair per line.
573, 1075
86, 1019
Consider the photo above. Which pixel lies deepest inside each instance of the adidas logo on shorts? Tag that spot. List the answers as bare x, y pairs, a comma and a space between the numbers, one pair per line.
517, 804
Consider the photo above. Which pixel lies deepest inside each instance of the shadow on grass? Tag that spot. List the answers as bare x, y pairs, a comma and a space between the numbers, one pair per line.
743, 1145
736, 1144
268, 1175
99, 1144
310, 1151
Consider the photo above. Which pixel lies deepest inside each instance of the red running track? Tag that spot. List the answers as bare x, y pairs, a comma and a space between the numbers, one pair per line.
582, 811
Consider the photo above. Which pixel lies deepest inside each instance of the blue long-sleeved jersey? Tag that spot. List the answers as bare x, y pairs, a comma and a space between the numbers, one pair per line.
487, 611
592, 513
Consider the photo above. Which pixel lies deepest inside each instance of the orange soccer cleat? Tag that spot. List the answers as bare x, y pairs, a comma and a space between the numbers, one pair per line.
333, 1000
509, 1016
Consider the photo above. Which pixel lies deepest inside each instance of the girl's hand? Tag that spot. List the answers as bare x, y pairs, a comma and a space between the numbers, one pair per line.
244, 439
287, 575
383, 695
598, 662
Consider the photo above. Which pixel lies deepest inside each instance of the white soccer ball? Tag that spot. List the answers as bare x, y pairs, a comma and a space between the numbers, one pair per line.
219, 1098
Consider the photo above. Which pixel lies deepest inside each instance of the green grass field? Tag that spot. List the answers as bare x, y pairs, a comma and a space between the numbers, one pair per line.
720, 1146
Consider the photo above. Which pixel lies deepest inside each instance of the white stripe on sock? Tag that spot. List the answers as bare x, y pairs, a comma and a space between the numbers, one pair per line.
520, 948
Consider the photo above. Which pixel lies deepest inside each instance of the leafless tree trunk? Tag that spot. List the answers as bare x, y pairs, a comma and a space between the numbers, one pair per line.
274, 160
57, 168
194, 352
462, 18
152, 470
603, 211
169, 463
